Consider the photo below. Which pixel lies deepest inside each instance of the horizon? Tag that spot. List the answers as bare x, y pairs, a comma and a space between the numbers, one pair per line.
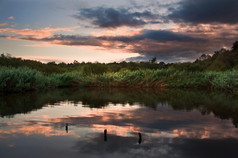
135, 30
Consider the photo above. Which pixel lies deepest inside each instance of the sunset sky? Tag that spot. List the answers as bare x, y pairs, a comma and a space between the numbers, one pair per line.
116, 30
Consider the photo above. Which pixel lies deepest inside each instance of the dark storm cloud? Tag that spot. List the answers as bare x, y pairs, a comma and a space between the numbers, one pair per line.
206, 11
112, 18
165, 45
154, 35
164, 36
188, 11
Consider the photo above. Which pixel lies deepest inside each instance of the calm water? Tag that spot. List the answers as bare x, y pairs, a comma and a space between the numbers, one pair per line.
119, 123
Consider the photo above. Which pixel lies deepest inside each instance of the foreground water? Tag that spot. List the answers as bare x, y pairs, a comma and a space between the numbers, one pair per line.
119, 123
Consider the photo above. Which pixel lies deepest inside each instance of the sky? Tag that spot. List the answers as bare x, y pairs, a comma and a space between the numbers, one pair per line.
115, 31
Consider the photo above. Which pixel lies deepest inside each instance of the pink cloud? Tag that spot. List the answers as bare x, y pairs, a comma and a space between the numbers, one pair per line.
46, 59
3, 24
11, 17
117, 32
41, 33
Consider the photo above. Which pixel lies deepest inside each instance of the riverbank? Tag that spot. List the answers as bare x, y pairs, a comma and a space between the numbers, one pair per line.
24, 79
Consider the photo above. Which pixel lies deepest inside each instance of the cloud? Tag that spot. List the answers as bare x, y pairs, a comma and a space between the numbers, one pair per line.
117, 32
3, 24
205, 11
37, 45
180, 44
11, 17
154, 35
184, 11
112, 18
45, 32
72, 40
45, 59
166, 45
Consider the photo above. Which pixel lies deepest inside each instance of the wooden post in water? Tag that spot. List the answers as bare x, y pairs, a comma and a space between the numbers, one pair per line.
140, 138
66, 128
105, 135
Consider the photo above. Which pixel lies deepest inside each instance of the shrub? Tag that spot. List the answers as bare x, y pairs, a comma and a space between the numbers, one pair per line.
18, 79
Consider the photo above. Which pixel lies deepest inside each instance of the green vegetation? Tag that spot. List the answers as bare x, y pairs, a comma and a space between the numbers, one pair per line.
219, 71
17, 79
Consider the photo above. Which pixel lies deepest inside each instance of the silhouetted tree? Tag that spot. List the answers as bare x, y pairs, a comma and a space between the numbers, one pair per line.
204, 57
6, 55
76, 62
153, 60
235, 45
51, 63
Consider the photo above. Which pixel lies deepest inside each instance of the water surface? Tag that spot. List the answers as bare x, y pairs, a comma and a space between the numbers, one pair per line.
119, 123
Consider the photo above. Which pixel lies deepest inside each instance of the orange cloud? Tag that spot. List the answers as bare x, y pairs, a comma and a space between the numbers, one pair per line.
41, 33
117, 32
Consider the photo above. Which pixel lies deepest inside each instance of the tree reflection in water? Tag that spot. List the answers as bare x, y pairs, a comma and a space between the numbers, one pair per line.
222, 105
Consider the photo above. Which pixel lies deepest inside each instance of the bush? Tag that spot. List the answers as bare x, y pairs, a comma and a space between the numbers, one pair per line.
18, 79
63, 80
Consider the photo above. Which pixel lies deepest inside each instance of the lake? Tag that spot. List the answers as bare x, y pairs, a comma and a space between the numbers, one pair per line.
70, 123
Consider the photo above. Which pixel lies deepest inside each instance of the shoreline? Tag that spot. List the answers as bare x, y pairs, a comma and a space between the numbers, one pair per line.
131, 87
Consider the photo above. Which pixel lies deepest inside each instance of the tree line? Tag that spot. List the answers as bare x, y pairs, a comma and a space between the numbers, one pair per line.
221, 60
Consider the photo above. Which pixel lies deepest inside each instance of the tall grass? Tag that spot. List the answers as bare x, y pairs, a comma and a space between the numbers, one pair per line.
20, 79
169, 77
